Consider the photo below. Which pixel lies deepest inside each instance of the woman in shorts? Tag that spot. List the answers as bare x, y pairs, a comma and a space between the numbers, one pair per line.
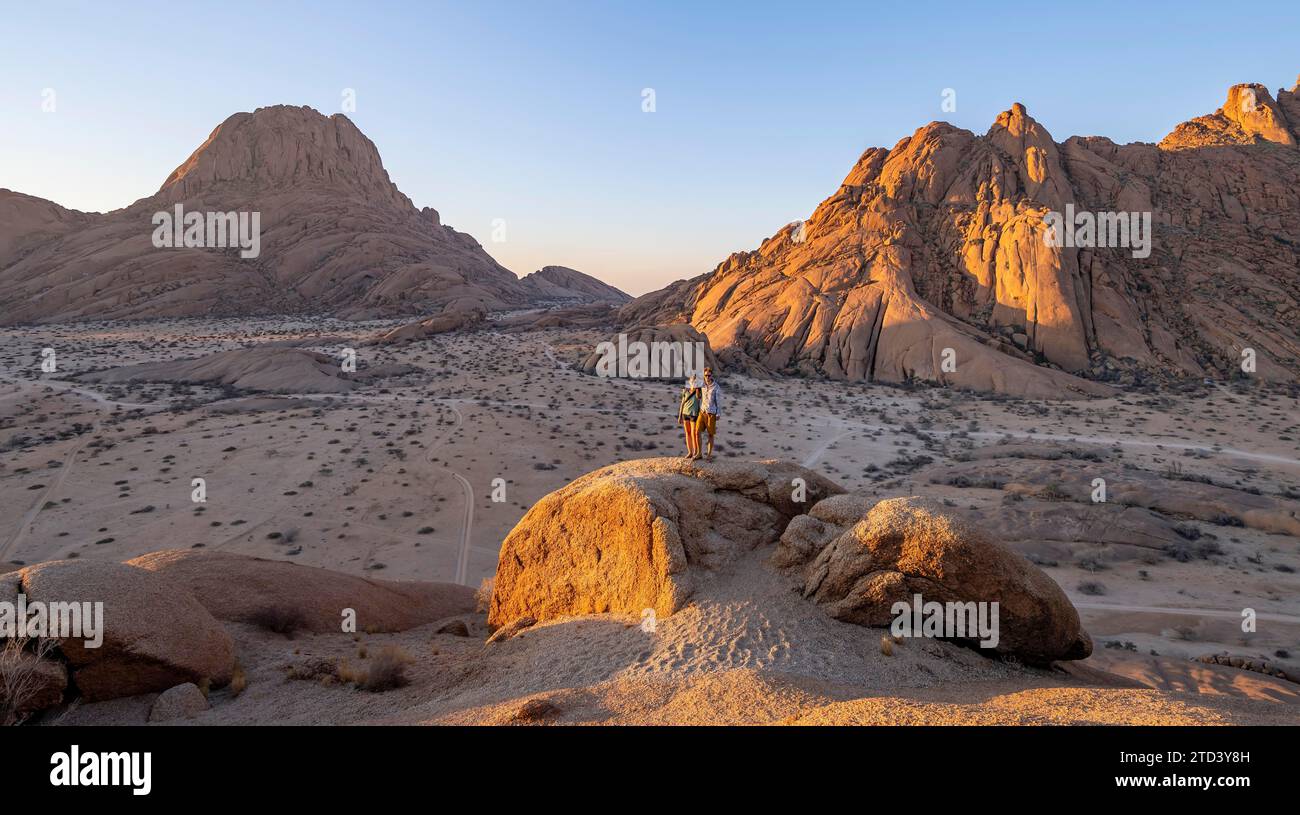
688, 410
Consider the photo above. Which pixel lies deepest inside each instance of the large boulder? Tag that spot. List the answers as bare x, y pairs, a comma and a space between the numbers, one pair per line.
270, 369
652, 352
279, 593
642, 534
908, 546
447, 320
155, 634
181, 702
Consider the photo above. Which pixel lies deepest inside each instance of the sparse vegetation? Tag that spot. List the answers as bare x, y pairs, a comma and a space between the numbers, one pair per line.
285, 620
483, 595
21, 676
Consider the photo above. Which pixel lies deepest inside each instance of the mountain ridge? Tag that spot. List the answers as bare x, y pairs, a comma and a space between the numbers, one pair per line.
337, 237
937, 245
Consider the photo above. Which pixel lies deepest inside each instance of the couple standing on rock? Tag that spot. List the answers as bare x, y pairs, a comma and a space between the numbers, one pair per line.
697, 412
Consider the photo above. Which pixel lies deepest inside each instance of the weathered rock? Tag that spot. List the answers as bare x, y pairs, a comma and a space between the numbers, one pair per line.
1106, 524
590, 316
537, 710
316, 597
938, 245
268, 369
156, 635
511, 629
909, 546
336, 236
11, 585
640, 534
181, 702
1179, 495
441, 323
1264, 666
456, 628
560, 283
671, 352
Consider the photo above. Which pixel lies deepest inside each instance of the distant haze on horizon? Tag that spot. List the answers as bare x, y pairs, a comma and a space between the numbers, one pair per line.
532, 113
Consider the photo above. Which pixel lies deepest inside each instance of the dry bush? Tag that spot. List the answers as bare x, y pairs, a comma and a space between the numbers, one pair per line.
483, 595
279, 619
316, 670
386, 670
20, 679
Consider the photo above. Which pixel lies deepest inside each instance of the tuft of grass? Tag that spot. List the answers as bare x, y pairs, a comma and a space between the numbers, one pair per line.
21, 681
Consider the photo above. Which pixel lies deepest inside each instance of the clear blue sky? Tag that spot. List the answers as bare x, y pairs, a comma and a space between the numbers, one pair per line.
531, 111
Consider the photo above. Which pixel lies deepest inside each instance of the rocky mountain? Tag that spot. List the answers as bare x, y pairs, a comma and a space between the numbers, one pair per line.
335, 236
948, 241
560, 283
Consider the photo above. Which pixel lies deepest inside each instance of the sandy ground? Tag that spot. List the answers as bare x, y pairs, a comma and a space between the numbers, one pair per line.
421, 477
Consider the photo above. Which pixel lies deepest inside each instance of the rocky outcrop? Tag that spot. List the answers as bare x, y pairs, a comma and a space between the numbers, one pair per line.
904, 547
651, 352
311, 599
439, 323
336, 236
267, 369
643, 534
593, 315
1180, 495
262, 368
935, 251
1247, 663
155, 634
560, 283
652, 534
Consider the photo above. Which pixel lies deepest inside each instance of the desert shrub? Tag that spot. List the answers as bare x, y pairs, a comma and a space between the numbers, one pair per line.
1208, 548
284, 620
1092, 588
315, 670
20, 677
386, 670
1091, 563
483, 595
1041, 560
1053, 492
1188, 531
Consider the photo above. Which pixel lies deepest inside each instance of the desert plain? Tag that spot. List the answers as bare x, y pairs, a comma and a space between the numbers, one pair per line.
419, 465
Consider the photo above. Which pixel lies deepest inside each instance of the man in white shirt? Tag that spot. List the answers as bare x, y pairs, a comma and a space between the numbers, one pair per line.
710, 407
